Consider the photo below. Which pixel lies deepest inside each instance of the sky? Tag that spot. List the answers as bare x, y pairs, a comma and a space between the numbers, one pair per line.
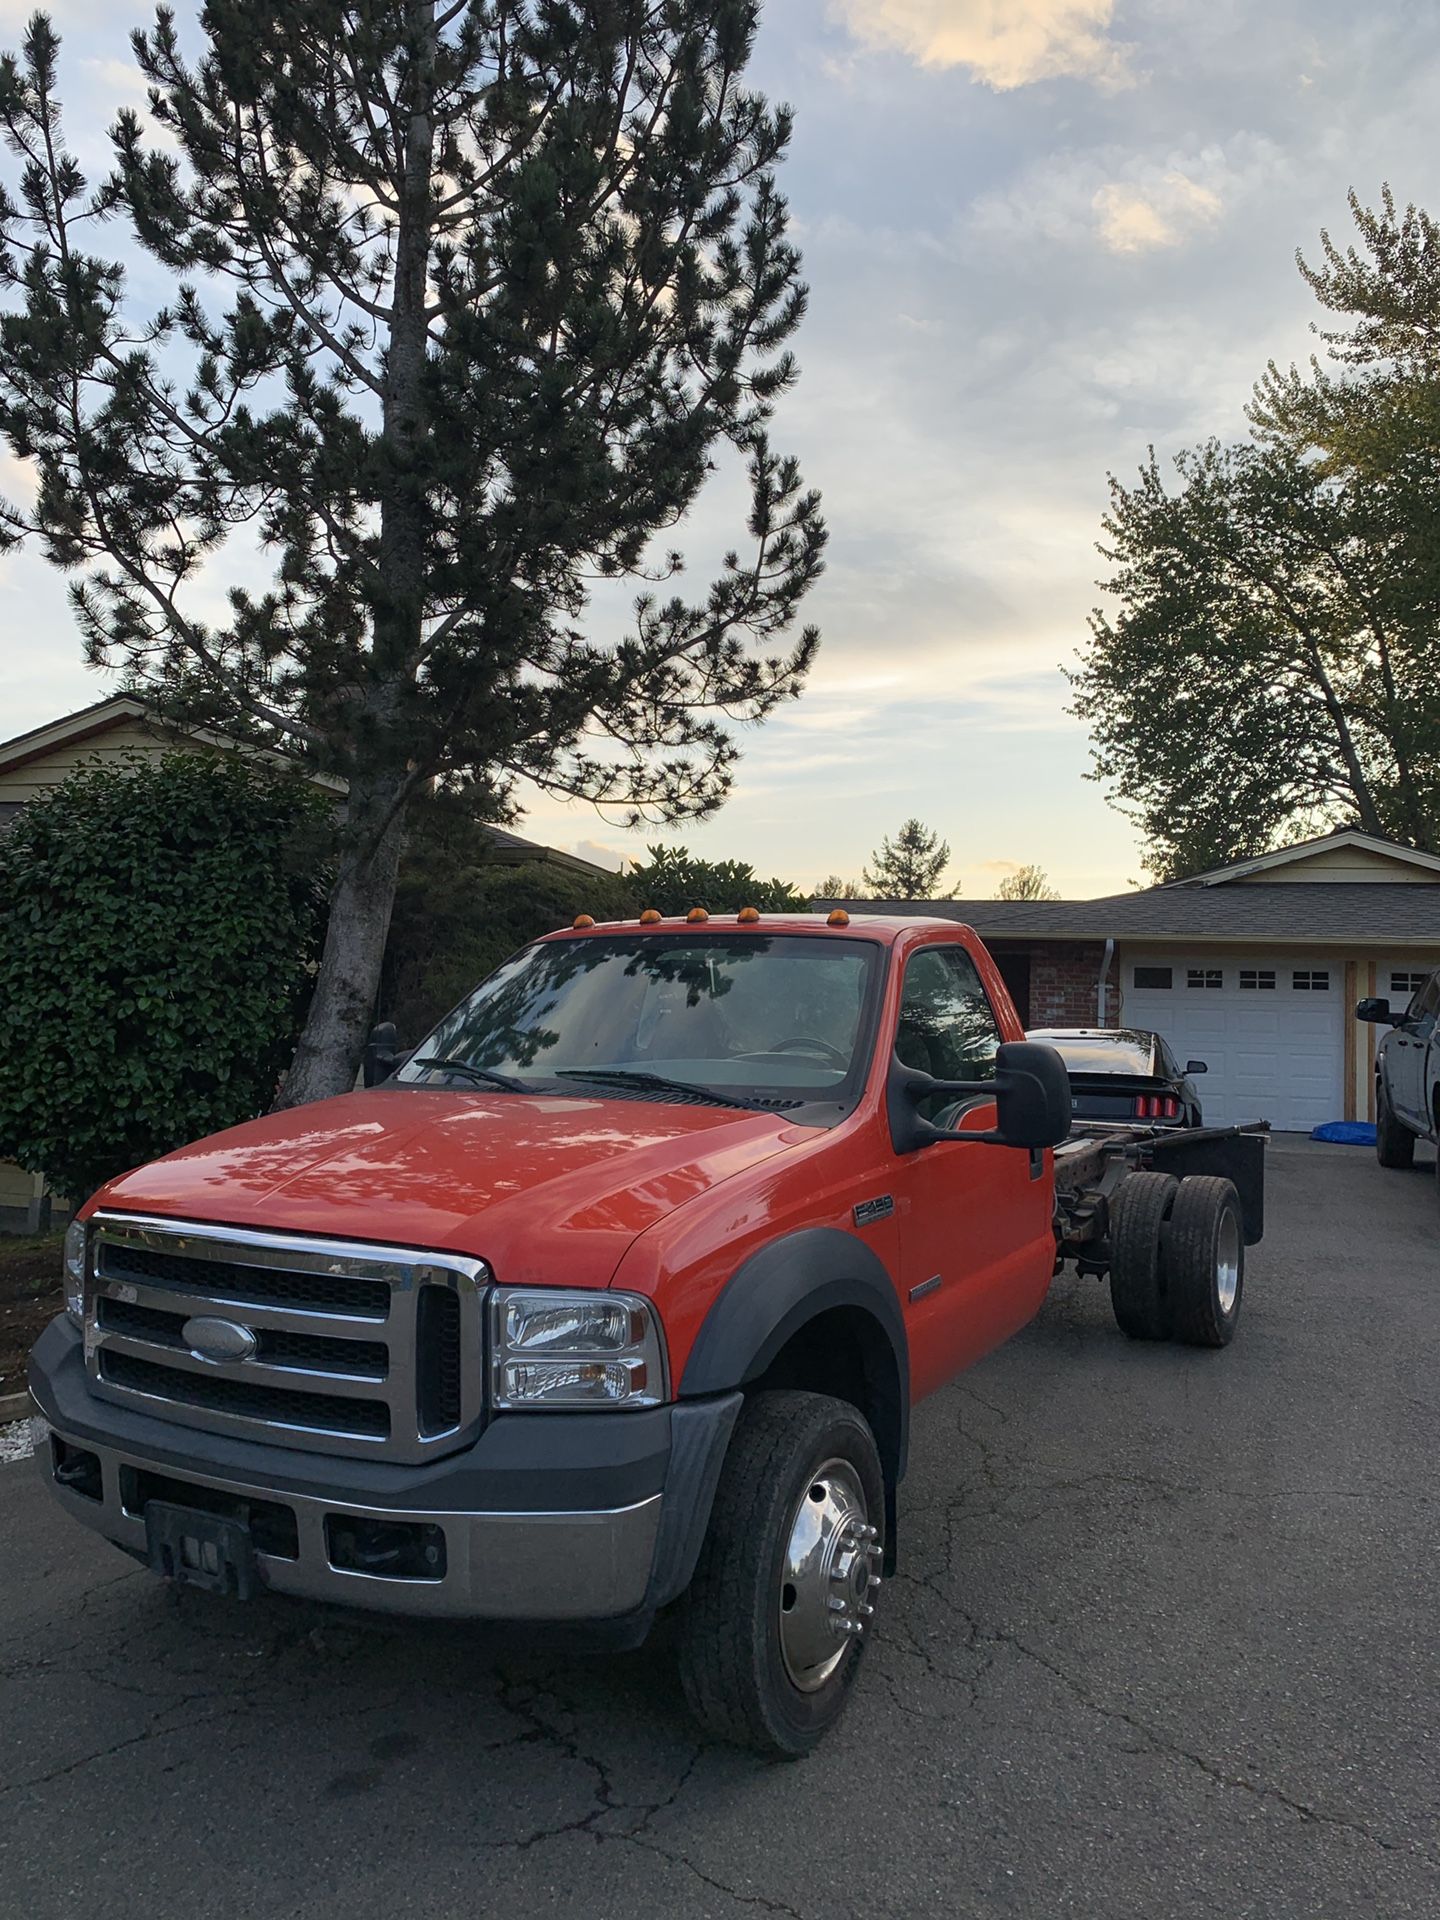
1039, 235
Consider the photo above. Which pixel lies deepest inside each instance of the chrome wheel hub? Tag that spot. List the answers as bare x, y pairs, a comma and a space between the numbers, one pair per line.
1227, 1262
828, 1575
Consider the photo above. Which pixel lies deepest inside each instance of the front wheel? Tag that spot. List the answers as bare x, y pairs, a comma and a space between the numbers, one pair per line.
1394, 1142
775, 1622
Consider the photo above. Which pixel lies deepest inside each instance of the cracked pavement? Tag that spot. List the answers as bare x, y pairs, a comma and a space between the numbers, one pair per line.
1163, 1645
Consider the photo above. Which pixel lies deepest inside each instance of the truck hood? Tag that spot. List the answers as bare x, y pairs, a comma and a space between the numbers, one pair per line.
547, 1190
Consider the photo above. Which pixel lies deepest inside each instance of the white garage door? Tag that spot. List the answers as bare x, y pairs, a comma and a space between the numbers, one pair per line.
1271, 1029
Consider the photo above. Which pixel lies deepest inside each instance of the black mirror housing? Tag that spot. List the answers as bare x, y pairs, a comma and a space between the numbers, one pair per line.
1376, 1011
1031, 1091
1196, 1066
1033, 1101
382, 1053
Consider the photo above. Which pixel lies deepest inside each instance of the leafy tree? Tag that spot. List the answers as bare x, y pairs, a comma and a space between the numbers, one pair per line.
469, 299
832, 887
159, 927
1270, 666
1026, 883
910, 866
673, 882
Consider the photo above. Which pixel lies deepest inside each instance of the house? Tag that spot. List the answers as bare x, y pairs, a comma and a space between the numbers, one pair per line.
1254, 968
32, 763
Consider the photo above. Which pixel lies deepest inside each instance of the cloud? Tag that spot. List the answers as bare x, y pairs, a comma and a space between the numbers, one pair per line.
1132, 202
1004, 43
599, 855
1133, 220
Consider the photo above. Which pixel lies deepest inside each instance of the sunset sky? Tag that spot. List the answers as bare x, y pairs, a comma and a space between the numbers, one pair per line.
1039, 235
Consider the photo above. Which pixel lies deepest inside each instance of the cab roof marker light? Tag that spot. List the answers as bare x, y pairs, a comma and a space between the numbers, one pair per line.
697, 916
748, 916
837, 918
583, 922
650, 918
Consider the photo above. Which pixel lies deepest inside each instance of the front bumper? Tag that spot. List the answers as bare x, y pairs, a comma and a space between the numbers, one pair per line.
545, 1517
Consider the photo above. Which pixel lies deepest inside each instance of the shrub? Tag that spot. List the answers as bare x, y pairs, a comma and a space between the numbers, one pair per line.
158, 926
672, 882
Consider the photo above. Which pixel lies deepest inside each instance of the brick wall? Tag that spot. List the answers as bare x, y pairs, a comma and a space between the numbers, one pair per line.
1064, 981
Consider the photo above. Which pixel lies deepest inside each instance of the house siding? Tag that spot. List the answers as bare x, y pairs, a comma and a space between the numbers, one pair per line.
52, 765
1355, 866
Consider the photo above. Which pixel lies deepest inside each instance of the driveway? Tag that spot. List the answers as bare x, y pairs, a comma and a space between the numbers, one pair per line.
1164, 1645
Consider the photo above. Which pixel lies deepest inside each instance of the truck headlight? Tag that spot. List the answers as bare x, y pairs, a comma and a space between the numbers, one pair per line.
75, 1271
551, 1349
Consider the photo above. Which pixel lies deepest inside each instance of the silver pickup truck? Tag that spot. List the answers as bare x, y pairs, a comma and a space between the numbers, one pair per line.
1407, 1075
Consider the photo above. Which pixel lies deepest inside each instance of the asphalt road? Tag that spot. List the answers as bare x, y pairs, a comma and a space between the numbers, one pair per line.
1164, 1645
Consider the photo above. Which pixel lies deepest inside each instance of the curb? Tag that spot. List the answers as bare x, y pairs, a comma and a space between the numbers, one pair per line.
15, 1406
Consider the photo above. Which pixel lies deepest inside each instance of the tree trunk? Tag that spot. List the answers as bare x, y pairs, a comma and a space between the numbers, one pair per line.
330, 1049
328, 1055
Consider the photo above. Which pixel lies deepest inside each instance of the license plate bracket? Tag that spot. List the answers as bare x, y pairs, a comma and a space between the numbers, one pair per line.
196, 1549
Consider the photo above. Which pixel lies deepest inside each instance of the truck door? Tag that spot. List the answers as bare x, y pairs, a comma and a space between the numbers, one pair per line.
1408, 1051
976, 1245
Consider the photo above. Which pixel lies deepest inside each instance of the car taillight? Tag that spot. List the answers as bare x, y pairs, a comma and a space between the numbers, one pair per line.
1156, 1106
1169, 1108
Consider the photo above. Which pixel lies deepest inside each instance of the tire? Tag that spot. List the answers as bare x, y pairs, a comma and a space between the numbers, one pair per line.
1394, 1142
745, 1629
1138, 1213
1205, 1261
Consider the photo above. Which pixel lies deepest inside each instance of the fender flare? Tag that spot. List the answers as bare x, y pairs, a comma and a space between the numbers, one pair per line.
775, 1293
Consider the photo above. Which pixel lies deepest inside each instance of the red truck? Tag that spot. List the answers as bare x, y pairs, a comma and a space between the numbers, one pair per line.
617, 1293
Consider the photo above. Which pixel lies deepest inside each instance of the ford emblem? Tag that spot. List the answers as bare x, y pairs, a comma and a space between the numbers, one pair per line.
219, 1340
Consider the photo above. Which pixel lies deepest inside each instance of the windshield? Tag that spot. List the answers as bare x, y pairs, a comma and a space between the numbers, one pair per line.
772, 1019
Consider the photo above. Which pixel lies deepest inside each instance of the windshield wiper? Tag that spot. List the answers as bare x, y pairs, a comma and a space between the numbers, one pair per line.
483, 1076
656, 1082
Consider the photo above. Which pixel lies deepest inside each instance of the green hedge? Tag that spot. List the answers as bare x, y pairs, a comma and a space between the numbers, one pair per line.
159, 925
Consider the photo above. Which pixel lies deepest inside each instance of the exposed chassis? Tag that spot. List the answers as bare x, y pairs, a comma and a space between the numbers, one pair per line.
1093, 1164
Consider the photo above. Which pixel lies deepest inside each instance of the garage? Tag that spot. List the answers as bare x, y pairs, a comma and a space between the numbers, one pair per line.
1269, 1027
1253, 968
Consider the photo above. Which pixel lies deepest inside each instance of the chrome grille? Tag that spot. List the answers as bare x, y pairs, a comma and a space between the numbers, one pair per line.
356, 1348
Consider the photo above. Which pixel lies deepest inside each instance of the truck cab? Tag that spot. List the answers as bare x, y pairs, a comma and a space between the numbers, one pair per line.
619, 1289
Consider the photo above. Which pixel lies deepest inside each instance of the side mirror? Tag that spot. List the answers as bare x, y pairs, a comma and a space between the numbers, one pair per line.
1196, 1066
382, 1053
1376, 1011
1033, 1102
1031, 1091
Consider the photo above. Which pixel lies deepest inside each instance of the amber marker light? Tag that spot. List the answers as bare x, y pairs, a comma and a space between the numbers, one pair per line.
748, 916
697, 916
839, 918
650, 918
583, 922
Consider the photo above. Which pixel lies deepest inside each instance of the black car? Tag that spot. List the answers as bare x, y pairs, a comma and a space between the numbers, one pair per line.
1122, 1074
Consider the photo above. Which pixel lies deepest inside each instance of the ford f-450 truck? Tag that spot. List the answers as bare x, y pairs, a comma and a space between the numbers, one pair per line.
617, 1293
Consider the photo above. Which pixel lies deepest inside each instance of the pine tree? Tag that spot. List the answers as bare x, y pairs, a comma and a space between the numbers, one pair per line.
469, 298
910, 866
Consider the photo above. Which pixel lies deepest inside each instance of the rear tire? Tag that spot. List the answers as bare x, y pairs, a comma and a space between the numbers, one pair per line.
1205, 1261
1394, 1142
794, 1549
1137, 1277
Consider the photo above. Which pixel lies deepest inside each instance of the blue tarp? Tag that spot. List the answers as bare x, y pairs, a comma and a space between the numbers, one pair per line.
1346, 1133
